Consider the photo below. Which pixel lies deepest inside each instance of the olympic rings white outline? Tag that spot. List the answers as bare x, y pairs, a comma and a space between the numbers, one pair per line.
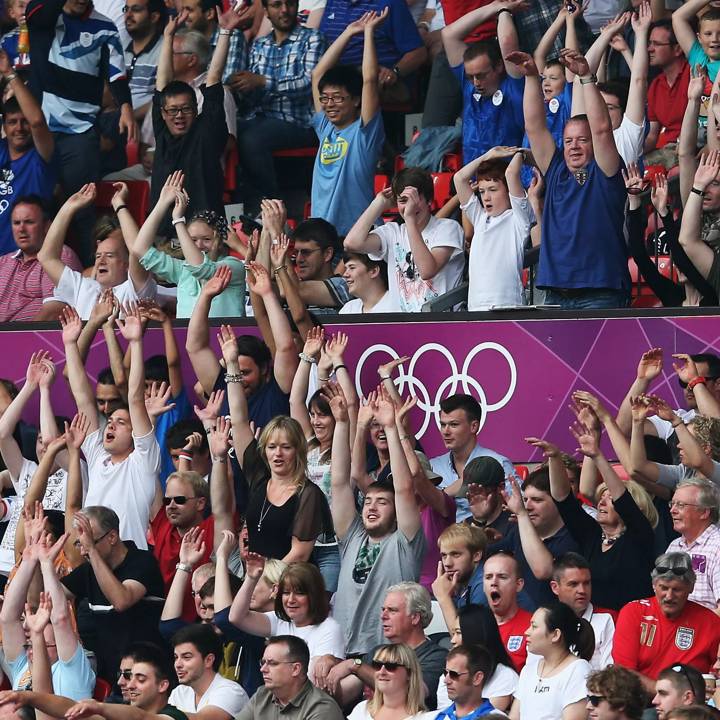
417, 388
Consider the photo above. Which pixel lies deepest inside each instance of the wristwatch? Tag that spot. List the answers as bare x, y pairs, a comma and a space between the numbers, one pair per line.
357, 662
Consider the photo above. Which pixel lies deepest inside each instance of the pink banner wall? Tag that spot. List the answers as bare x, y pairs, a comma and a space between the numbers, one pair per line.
521, 371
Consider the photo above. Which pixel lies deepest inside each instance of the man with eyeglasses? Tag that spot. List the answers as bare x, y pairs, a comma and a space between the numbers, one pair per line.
615, 693
187, 499
466, 669
122, 586
276, 88
667, 628
666, 95
695, 511
288, 693
678, 686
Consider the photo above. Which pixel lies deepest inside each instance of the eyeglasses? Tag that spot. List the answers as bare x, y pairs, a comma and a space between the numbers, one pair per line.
76, 544
454, 674
126, 674
177, 499
682, 505
275, 663
595, 700
333, 99
683, 384
655, 43
184, 109
677, 571
133, 8
410, 271
305, 252
389, 666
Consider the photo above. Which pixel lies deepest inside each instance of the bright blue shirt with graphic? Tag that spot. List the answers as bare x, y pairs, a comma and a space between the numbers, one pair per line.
344, 175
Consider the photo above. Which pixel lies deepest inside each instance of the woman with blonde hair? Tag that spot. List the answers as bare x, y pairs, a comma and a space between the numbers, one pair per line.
399, 692
620, 542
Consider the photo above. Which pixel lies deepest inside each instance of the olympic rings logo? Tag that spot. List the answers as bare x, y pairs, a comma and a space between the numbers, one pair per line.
449, 386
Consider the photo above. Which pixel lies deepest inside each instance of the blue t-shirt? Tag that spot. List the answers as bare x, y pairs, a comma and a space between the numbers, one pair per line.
557, 113
28, 175
583, 245
485, 708
698, 56
344, 175
163, 423
9, 43
491, 121
397, 36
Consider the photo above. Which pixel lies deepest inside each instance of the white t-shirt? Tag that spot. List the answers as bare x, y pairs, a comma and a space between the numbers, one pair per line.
221, 693
546, 698
327, 638
503, 681
360, 712
54, 500
386, 304
664, 427
82, 293
411, 295
127, 487
496, 254
629, 139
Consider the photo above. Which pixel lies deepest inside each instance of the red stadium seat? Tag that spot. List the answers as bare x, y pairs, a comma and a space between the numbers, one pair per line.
306, 152
132, 149
442, 183
138, 200
102, 690
522, 472
231, 163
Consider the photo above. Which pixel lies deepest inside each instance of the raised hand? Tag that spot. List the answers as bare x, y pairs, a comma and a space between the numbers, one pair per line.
616, 24
104, 307
586, 416
587, 440
259, 279
662, 409
575, 62
36, 369
402, 412
170, 189
193, 442
376, 19
388, 368
254, 565
641, 407
218, 282
618, 43
120, 196
707, 170
150, 310
274, 216
192, 547
314, 341
37, 621
514, 501
335, 396
583, 397
131, 327
237, 16
696, 86
336, 347
686, 369
34, 522
84, 197
650, 365
385, 199
659, 193
174, 23
182, 199
384, 412
226, 546
365, 411
634, 183
524, 63
549, 450
643, 19
536, 191
211, 411
157, 401
71, 325
219, 438
279, 248
228, 344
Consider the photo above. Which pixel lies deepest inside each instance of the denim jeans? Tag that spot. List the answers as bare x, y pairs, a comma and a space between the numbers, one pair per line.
257, 139
590, 299
327, 559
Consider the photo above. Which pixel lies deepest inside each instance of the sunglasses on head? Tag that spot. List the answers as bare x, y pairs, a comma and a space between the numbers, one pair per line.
678, 571
595, 700
178, 499
707, 379
389, 666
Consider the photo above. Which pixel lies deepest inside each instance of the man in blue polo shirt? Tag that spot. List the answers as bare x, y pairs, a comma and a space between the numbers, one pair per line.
583, 255
400, 50
492, 89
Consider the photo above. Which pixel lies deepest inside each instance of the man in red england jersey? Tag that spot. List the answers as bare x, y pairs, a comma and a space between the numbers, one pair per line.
502, 583
659, 631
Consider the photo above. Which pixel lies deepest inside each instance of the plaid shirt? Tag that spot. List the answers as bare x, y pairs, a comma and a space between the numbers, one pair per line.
24, 284
288, 67
237, 52
704, 552
532, 23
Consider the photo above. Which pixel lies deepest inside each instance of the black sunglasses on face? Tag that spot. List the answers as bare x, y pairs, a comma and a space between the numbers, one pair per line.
454, 674
127, 674
595, 700
179, 499
389, 666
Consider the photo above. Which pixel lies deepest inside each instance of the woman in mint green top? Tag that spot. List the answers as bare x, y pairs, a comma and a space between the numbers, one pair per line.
202, 240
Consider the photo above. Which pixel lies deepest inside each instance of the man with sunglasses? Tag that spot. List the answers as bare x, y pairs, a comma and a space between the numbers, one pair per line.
615, 693
668, 628
122, 586
287, 692
678, 686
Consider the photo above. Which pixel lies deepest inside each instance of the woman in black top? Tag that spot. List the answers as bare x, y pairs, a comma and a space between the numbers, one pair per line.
619, 545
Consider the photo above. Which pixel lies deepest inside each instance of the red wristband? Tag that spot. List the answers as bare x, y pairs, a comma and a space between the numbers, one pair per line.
699, 380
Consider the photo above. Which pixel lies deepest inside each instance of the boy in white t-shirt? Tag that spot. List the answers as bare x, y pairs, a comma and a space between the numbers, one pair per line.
501, 218
424, 255
124, 459
368, 284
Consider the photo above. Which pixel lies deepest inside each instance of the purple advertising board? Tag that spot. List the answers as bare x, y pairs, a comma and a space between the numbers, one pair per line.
521, 371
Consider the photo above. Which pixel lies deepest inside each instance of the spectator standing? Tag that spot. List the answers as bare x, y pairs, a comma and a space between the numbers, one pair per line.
278, 87
70, 82
349, 126
26, 152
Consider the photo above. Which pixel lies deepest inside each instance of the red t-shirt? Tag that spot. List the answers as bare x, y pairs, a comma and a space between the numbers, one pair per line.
647, 641
666, 105
455, 9
167, 552
512, 633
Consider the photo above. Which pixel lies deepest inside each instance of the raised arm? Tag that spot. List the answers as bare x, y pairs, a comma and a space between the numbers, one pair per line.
547, 41
165, 68
597, 50
683, 19
370, 102
358, 457
508, 40
687, 372
687, 142
560, 486
286, 359
343, 501
75, 435
335, 350
541, 141
637, 97
361, 238
221, 494
649, 368
192, 551
42, 137
36, 622
223, 592
463, 178
79, 383
145, 237
700, 254
150, 310
240, 614
51, 250
227, 22
604, 148
137, 273
298, 392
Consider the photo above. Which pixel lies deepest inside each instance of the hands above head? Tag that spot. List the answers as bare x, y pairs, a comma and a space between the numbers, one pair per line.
174, 23
259, 279
212, 409
71, 325
279, 249
642, 406
575, 62
589, 441
659, 194
37, 621
150, 310
582, 397
218, 282
365, 412
662, 409
192, 547
524, 63
642, 20
634, 183
38, 369
225, 548
238, 16
84, 197
158, 400
314, 341
686, 369
548, 449
173, 185
707, 170
698, 81
335, 396
254, 565
514, 501
219, 438
132, 326
274, 216
650, 365
336, 347
107, 305
387, 369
